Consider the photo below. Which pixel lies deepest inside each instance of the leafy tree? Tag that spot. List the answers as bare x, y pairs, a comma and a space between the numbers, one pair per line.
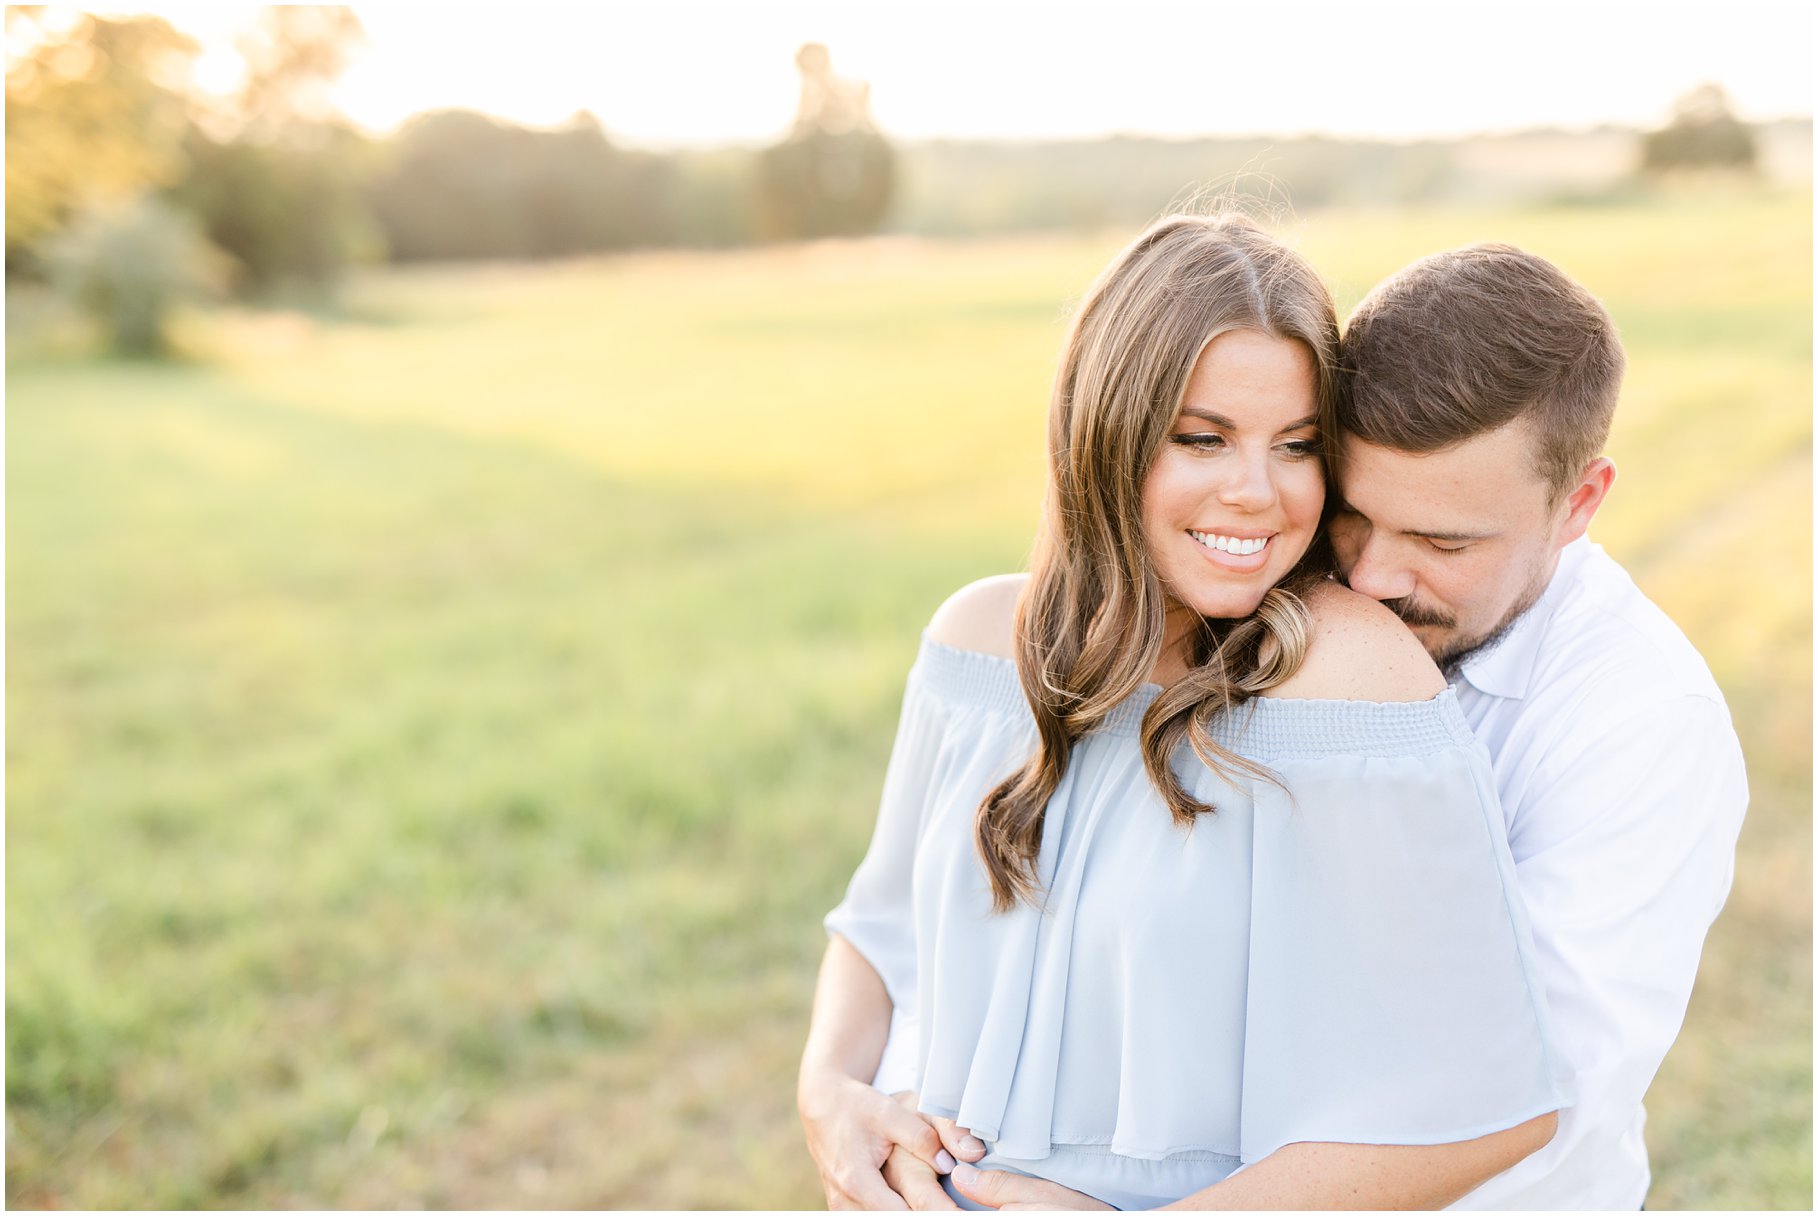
292, 213
586, 195
95, 114
293, 56
1703, 133
464, 185
278, 179
708, 196
835, 173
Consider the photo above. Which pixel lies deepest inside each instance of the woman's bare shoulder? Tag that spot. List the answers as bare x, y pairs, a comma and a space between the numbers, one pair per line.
981, 616
1359, 651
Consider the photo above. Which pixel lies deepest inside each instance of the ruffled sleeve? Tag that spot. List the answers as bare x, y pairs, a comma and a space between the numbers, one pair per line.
1392, 995
876, 916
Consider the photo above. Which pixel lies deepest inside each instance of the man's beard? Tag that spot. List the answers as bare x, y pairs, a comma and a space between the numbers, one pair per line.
1457, 649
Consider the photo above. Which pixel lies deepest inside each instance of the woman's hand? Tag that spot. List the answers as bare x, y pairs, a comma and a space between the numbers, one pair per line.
852, 1129
1008, 1192
919, 1181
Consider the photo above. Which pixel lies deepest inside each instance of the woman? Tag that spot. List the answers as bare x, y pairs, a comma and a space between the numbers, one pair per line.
1281, 965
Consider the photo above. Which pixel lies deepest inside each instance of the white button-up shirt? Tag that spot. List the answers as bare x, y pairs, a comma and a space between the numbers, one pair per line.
1623, 789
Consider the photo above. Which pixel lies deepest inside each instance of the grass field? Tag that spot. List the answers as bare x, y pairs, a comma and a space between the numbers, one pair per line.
436, 732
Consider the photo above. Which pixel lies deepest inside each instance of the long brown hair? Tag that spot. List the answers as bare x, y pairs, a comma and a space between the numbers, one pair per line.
1089, 624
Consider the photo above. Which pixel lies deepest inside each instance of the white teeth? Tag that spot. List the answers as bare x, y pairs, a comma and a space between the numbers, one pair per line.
1230, 544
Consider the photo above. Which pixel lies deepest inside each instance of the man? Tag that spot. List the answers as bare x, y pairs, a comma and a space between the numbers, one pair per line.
1480, 391
1481, 388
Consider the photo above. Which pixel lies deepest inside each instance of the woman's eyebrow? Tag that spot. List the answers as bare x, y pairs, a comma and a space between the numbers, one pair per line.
1207, 416
1221, 420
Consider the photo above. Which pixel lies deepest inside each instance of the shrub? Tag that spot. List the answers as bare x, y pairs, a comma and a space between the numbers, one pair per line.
128, 265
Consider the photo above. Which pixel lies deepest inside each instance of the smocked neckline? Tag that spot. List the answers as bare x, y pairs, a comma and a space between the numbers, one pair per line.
1262, 727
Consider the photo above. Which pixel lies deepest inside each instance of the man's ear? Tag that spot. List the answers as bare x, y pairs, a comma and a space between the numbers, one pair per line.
1582, 503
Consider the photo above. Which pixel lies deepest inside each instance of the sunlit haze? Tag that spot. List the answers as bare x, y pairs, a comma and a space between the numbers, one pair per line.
693, 74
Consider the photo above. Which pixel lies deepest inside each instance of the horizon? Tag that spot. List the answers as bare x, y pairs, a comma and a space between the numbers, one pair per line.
1010, 72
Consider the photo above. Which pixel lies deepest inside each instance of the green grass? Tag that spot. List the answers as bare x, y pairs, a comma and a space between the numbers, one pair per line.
435, 733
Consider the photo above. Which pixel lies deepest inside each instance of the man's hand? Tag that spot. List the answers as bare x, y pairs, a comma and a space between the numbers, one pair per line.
851, 1130
1008, 1192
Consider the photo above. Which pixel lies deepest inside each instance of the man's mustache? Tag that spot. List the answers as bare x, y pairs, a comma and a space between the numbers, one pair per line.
1413, 614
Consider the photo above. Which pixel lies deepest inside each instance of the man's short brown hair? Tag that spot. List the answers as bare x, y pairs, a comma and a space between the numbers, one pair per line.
1467, 341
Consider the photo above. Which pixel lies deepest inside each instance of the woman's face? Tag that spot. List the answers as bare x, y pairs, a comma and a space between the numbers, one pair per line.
1233, 500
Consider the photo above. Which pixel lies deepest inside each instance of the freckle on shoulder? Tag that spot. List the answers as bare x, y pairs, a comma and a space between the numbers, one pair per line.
981, 616
1359, 651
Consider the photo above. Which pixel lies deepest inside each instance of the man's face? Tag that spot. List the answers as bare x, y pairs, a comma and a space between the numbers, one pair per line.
1459, 543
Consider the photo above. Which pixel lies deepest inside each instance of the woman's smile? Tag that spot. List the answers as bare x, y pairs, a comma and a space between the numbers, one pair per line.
1233, 549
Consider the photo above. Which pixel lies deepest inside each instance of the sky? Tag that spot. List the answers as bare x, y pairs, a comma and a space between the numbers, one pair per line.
693, 74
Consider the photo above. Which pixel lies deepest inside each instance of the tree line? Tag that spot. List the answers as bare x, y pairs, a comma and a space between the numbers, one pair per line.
128, 188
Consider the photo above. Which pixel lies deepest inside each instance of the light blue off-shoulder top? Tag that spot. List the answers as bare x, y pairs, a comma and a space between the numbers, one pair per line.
1341, 958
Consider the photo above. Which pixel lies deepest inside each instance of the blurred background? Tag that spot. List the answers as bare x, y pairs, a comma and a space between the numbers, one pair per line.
476, 477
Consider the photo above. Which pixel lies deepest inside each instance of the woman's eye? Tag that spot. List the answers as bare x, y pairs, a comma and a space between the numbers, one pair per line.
1204, 441
1300, 449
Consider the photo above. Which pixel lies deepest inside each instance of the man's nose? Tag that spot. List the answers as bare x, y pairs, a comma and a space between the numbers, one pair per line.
1373, 570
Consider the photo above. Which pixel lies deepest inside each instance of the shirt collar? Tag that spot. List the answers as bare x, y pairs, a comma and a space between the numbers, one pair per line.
1505, 668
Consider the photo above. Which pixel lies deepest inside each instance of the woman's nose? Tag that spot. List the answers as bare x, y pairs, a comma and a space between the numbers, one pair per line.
1251, 486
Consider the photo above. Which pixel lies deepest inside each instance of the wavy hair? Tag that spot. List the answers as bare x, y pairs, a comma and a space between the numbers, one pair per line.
1089, 624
